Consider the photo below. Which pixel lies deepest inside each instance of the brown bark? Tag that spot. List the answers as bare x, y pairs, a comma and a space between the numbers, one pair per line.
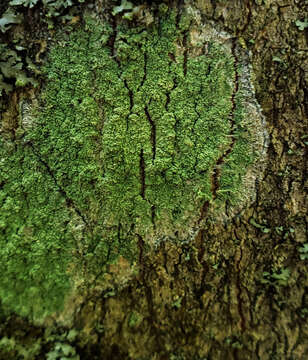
208, 299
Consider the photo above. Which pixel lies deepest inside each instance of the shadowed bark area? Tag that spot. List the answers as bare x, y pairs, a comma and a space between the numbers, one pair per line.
239, 290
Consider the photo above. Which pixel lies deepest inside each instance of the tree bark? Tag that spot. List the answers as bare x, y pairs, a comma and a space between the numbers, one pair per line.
239, 290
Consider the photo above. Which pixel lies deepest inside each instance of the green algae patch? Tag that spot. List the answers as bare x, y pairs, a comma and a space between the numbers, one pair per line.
138, 128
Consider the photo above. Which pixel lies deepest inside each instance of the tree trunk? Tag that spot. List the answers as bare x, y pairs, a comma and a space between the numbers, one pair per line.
238, 289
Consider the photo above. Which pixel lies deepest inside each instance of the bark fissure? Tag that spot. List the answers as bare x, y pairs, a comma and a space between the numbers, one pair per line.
167, 100
153, 132
248, 18
204, 211
153, 209
112, 39
178, 14
69, 201
142, 174
131, 96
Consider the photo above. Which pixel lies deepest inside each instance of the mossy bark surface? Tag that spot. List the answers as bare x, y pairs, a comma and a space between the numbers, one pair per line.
145, 253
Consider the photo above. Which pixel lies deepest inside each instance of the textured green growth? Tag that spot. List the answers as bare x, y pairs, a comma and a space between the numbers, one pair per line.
132, 124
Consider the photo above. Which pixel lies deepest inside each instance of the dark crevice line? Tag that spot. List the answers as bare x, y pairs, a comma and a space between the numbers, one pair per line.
153, 131
167, 100
131, 96
248, 19
217, 168
141, 255
153, 208
214, 6
209, 69
172, 57
69, 201
142, 174
204, 211
185, 36
178, 15
168, 93
201, 247
257, 351
112, 39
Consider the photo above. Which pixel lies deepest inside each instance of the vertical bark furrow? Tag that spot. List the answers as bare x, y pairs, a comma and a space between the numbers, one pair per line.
153, 132
142, 174
204, 211
153, 208
131, 96
112, 39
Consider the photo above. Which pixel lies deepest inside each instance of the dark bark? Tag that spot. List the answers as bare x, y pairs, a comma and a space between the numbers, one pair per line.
211, 299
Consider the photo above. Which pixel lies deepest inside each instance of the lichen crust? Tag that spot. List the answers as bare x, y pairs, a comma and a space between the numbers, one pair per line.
142, 132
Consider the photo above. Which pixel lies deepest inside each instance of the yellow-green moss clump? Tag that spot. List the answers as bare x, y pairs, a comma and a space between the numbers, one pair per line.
133, 122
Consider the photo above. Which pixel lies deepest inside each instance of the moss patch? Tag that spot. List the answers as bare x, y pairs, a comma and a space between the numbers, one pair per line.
132, 125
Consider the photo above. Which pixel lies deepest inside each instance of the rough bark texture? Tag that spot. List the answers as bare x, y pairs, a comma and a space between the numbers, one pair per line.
239, 290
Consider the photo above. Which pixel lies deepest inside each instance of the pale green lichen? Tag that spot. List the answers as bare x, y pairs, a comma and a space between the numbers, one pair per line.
132, 123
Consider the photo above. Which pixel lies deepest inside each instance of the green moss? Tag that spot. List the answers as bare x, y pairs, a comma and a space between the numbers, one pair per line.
135, 319
124, 146
11, 348
34, 242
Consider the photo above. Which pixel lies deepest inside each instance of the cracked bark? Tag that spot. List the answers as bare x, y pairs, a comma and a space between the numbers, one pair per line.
225, 311
142, 174
153, 132
220, 280
216, 172
70, 203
